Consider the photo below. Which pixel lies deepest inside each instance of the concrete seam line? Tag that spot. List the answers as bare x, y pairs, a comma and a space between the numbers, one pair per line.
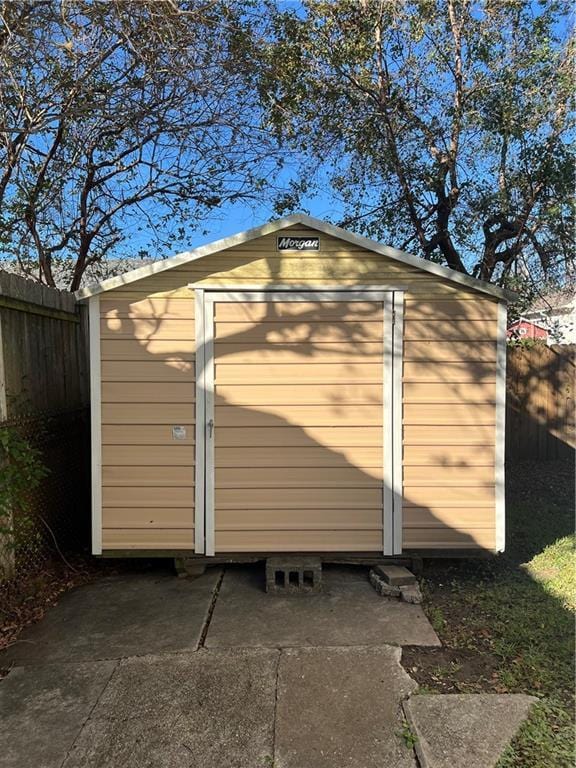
274, 718
420, 742
89, 715
210, 611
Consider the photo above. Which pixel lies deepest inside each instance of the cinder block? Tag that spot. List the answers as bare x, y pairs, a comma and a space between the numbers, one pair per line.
395, 575
382, 587
293, 575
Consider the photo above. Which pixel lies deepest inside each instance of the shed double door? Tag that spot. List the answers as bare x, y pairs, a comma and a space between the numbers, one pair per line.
296, 418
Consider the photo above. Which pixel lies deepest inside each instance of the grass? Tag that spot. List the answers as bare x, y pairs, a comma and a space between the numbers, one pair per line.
553, 568
507, 624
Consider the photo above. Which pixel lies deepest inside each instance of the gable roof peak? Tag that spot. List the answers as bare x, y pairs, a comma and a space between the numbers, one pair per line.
278, 225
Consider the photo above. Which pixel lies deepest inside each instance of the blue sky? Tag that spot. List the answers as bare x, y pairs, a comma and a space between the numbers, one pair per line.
239, 217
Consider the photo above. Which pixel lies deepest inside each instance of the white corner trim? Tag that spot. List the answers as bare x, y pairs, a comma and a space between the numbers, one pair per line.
289, 221
208, 432
388, 427
500, 448
397, 423
95, 423
200, 396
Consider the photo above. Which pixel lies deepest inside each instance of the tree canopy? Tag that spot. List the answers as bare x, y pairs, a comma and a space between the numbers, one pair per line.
120, 119
444, 126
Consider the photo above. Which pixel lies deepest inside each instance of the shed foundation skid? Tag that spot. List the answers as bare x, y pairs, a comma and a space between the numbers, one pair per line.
187, 567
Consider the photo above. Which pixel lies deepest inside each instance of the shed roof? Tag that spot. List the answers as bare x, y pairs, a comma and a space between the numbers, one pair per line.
275, 226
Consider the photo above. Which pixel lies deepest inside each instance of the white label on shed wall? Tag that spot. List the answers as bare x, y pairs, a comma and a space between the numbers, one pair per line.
178, 433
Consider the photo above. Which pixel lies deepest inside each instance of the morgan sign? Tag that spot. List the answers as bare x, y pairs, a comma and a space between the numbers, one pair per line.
298, 243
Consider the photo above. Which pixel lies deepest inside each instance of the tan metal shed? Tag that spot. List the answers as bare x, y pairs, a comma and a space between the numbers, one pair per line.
297, 388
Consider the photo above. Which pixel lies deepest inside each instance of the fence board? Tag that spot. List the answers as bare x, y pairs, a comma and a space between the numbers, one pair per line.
44, 398
44, 364
540, 402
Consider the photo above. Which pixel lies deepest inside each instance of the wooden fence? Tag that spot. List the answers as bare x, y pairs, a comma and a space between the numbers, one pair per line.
44, 399
43, 349
540, 402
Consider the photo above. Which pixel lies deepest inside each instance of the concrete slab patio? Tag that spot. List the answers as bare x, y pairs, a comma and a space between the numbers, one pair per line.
341, 707
347, 612
118, 676
42, 710
119, 616
203, 709
465, 729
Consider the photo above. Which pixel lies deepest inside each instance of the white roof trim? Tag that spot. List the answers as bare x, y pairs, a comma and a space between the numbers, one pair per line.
290, 221
525, 319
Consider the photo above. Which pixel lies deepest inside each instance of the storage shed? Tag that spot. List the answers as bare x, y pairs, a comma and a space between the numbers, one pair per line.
297, 388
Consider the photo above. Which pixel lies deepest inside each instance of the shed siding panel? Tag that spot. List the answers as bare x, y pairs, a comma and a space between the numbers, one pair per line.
147, 413
147, 392
430, 289
449, 424
145, 455
144, 328
448, 375
145, 434
304, 394
301, 540
161, 371
146, 519
316, 456
148, 386
284, 507
148, 538
148, 349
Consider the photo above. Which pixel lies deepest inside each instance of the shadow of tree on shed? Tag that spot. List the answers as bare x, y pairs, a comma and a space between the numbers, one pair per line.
316, 334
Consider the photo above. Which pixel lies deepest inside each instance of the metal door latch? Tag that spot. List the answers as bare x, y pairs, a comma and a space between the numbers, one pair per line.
210, 426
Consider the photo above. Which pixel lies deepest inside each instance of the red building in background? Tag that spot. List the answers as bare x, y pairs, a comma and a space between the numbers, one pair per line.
526, 329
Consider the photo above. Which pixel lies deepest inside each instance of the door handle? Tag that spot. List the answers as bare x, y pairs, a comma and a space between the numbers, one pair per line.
210, 426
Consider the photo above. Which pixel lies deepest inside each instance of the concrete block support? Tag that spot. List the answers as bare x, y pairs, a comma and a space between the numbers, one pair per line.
293, 575
395, 575
409, 593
